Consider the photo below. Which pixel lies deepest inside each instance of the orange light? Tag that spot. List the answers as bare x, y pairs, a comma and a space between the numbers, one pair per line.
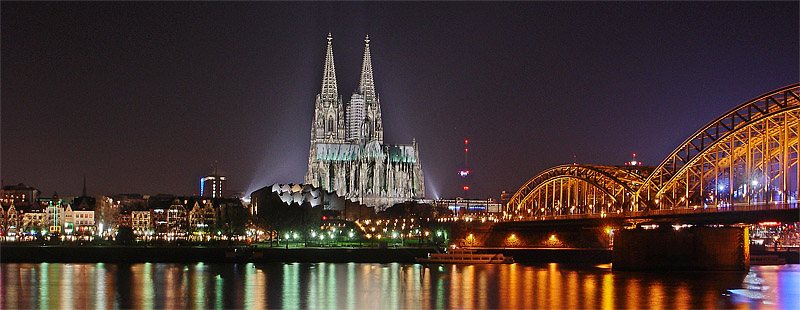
769, 224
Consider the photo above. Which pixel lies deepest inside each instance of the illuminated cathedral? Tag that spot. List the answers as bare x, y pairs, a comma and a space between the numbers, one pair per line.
347, 153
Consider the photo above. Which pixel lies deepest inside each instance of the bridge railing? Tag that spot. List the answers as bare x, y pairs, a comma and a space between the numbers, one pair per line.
718, 208
740, 207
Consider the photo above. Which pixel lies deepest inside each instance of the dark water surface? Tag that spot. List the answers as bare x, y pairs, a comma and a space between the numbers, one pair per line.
388, 286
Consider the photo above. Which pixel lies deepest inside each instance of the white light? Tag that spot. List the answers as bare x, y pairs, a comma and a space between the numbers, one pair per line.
755, 182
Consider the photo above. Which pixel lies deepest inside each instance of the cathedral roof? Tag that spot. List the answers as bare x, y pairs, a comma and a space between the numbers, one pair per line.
401, 153
373, 149
338, 151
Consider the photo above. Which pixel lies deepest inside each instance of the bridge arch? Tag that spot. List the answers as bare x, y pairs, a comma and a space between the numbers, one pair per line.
749, 155
577, 189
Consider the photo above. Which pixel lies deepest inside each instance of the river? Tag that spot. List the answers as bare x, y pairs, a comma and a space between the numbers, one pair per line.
388, 286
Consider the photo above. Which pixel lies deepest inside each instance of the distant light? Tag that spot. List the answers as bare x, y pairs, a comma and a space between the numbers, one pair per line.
463, 173
466, 188
466, 141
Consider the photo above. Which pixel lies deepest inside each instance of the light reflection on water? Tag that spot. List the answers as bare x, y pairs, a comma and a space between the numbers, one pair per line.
380, 286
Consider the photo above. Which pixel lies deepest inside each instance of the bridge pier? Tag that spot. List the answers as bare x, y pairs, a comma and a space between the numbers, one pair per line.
693, 248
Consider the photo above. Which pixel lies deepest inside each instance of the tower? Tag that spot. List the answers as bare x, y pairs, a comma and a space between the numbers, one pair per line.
328, 125
464, 173
367, 103
213, 185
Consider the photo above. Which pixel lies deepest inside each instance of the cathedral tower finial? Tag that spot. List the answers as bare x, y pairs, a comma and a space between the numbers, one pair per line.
329, 88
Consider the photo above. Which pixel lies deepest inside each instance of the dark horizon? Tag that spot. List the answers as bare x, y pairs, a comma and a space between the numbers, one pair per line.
144, 97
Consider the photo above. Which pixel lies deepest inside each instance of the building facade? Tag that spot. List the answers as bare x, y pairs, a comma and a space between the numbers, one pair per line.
19, 194
348, 155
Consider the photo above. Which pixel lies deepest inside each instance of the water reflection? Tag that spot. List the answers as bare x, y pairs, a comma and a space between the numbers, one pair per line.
380, 286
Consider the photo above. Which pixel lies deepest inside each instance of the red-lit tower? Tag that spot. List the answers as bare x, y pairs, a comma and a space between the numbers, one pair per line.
464, 173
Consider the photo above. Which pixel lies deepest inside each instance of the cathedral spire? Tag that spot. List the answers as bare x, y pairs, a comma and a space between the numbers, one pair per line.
329, 89
367, 85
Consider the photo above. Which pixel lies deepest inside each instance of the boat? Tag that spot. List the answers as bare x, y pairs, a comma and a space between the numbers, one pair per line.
768, 259
465, 256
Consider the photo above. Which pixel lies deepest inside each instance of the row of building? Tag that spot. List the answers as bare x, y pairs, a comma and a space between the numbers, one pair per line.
25, 215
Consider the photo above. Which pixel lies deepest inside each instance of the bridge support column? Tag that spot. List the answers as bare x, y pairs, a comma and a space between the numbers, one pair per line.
694, 248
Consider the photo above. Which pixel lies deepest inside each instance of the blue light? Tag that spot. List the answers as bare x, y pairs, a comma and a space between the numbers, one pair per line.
202, 185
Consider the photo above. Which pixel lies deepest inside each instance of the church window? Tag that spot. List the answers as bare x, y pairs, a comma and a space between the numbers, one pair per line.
330, 123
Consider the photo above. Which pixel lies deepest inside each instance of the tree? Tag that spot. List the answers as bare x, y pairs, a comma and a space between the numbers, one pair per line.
125, 235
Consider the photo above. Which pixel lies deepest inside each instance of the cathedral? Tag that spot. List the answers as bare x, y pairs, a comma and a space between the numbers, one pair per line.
347, 153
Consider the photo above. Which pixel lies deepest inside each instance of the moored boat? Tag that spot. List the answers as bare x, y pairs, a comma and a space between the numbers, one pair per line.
464, 256
767, 260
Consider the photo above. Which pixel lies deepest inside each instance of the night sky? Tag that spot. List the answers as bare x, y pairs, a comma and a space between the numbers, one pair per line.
144, 97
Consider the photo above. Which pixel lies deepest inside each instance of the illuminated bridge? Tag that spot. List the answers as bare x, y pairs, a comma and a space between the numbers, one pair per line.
745, 160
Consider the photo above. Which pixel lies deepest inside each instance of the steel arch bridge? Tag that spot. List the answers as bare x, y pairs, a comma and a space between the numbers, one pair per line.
748, 157
578, 189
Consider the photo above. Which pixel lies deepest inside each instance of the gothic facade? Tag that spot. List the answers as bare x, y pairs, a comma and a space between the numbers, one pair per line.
347, 153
